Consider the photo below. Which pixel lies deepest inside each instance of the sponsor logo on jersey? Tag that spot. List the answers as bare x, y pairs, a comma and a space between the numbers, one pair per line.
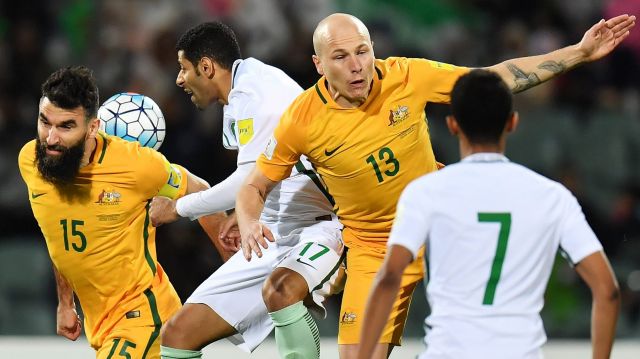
36, 195
109, 197
348, 318
397, 115
245, 130
271, 146
331, 152
305, 263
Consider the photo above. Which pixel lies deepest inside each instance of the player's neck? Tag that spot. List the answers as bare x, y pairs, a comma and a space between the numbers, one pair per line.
467, 148
224, 86
89, 149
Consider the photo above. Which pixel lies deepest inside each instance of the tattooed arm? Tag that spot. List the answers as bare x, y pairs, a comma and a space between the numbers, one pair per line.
523, 73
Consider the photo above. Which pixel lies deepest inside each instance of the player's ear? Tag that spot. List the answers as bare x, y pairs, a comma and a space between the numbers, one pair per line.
318, 64
207, 67
512, 122
452, 125
94, 126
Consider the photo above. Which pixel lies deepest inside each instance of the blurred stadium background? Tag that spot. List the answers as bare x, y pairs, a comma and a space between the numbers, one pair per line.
582, 129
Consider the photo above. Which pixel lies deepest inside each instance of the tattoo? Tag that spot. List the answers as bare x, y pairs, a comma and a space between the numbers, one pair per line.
522, 80
555, 67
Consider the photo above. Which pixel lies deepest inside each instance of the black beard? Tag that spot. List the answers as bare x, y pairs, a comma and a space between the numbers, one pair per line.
61, 169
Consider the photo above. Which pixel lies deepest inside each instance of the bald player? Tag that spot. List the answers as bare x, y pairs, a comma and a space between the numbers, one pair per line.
363, 128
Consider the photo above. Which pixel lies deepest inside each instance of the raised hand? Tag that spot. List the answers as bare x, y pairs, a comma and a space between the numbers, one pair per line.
605, 36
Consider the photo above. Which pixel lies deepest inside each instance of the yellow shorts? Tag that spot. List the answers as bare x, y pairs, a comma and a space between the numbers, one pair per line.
133, 342
362, 267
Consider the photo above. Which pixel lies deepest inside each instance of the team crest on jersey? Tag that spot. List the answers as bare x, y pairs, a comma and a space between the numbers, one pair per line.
109, 197
348, 318
397, 115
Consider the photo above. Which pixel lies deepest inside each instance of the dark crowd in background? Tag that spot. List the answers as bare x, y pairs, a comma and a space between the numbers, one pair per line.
582, 129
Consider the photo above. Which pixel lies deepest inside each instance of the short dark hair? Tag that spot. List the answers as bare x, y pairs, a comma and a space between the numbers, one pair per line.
71, 87
481, 103
210, 39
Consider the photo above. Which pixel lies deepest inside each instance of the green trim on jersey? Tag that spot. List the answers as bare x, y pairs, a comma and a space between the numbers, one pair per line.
145, 236
333, 270
314, 177
104, 148
157, 322
320, 94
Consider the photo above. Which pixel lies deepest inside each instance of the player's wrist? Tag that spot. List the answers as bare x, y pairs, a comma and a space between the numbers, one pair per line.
177, 208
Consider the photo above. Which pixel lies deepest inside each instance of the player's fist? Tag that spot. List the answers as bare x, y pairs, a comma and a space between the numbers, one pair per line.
68, 323
162, 210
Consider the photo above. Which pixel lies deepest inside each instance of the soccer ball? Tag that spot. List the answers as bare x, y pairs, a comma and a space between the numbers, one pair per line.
133, 117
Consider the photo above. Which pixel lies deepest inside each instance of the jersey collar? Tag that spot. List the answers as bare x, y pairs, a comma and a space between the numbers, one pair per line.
234, 71
101, 148
486, 157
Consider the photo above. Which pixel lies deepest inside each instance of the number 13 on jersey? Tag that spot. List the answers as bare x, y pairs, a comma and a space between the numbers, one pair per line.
386, 156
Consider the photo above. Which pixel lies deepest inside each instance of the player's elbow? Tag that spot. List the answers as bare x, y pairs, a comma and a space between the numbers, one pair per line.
607, 293
389, 278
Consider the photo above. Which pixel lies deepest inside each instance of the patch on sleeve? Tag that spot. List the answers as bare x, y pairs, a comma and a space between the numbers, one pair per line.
441, 65
245, 130
172, 187
271, 146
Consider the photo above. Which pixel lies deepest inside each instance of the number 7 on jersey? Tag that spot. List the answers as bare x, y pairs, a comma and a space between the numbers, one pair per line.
501, 249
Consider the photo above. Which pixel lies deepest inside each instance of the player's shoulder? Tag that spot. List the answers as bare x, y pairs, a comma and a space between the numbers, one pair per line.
397, 64
253, 76
538, 183
400, 66
27, 152
27, 157
306, 105
116, 150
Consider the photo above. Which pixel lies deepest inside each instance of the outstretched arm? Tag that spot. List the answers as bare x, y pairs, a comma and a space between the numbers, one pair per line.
597, 273
523, 73
68, 321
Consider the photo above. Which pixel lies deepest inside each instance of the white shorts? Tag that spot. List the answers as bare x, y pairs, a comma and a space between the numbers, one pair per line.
234, 291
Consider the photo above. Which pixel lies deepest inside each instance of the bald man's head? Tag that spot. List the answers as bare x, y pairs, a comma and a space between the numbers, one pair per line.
335, 26
344, 55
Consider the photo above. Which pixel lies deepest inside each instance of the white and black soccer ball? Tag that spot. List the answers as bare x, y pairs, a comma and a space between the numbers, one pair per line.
133, 117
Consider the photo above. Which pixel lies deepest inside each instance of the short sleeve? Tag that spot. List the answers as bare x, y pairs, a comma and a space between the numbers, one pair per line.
254, 125
284, 147
577, 239
413, 220
157, 176
434, 79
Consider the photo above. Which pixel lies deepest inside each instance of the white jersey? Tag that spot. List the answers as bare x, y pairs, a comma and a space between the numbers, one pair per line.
492, 229
259, 96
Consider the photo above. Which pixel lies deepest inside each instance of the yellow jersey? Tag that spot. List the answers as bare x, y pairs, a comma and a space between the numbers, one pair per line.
98, 233
365, 155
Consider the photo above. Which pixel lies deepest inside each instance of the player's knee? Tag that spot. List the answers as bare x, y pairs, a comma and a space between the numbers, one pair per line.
283, 288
